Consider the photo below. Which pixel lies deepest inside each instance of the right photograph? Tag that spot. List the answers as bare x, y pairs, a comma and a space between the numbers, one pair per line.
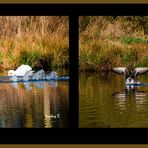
113, 71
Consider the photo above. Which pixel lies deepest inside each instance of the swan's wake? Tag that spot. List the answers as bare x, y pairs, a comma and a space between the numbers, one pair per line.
24, 73
38, 76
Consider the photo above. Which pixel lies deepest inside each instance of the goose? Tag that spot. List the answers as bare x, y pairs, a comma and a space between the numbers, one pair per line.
20, 71
130, 75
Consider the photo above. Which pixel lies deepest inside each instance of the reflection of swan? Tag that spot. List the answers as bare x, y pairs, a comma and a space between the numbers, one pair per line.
15, 85
27, 86
52, 84
20, 71
130, 75
39, 85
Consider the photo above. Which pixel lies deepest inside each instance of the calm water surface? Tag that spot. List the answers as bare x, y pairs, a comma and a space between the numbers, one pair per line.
105, 103
34, 105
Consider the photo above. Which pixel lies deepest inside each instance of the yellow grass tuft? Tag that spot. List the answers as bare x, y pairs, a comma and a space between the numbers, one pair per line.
29, 39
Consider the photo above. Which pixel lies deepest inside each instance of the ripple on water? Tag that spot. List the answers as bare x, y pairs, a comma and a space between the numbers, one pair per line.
107, 104
26, 104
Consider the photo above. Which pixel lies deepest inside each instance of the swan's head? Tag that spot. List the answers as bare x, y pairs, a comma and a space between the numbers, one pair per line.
11, 73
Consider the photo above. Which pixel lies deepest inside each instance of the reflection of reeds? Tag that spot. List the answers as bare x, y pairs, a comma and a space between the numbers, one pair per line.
27, 40
30, 106
98, 107
107, 42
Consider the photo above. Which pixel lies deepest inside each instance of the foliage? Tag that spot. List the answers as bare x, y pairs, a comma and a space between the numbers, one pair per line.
110, 41
130, 40
32, 39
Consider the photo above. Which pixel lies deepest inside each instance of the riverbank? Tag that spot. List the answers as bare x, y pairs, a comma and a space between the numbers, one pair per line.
39, 41
107, 42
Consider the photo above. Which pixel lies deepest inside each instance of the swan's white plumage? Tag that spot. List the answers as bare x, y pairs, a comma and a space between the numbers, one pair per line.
20, 71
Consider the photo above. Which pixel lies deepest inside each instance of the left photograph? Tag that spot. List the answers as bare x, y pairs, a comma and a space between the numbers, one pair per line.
34, 71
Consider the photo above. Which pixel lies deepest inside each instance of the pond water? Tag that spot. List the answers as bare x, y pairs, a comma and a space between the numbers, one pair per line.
42, 104
105, 103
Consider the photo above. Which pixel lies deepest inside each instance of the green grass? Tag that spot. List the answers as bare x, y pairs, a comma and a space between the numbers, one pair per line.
107, 42
16, 52
143, 62
34, 40
130, 40
109, 56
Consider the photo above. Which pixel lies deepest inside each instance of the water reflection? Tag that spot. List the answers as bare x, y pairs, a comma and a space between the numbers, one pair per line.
34, 105
28, 85
105, 101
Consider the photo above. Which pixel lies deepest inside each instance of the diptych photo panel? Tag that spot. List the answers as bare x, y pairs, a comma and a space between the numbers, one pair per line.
112, 72
34, 72
113, 66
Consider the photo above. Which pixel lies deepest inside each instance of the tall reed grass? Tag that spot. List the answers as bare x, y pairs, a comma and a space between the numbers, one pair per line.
107, 42
35, 40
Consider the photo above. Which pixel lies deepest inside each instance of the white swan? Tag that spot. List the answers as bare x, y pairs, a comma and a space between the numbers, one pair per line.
20, 71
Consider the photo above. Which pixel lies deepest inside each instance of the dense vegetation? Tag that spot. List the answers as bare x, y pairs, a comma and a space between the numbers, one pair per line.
110, 41
40, 41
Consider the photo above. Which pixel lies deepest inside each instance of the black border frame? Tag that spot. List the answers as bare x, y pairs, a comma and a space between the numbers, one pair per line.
73, 134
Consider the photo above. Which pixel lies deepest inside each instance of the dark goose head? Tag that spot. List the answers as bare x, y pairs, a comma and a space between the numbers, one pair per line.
130, 75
